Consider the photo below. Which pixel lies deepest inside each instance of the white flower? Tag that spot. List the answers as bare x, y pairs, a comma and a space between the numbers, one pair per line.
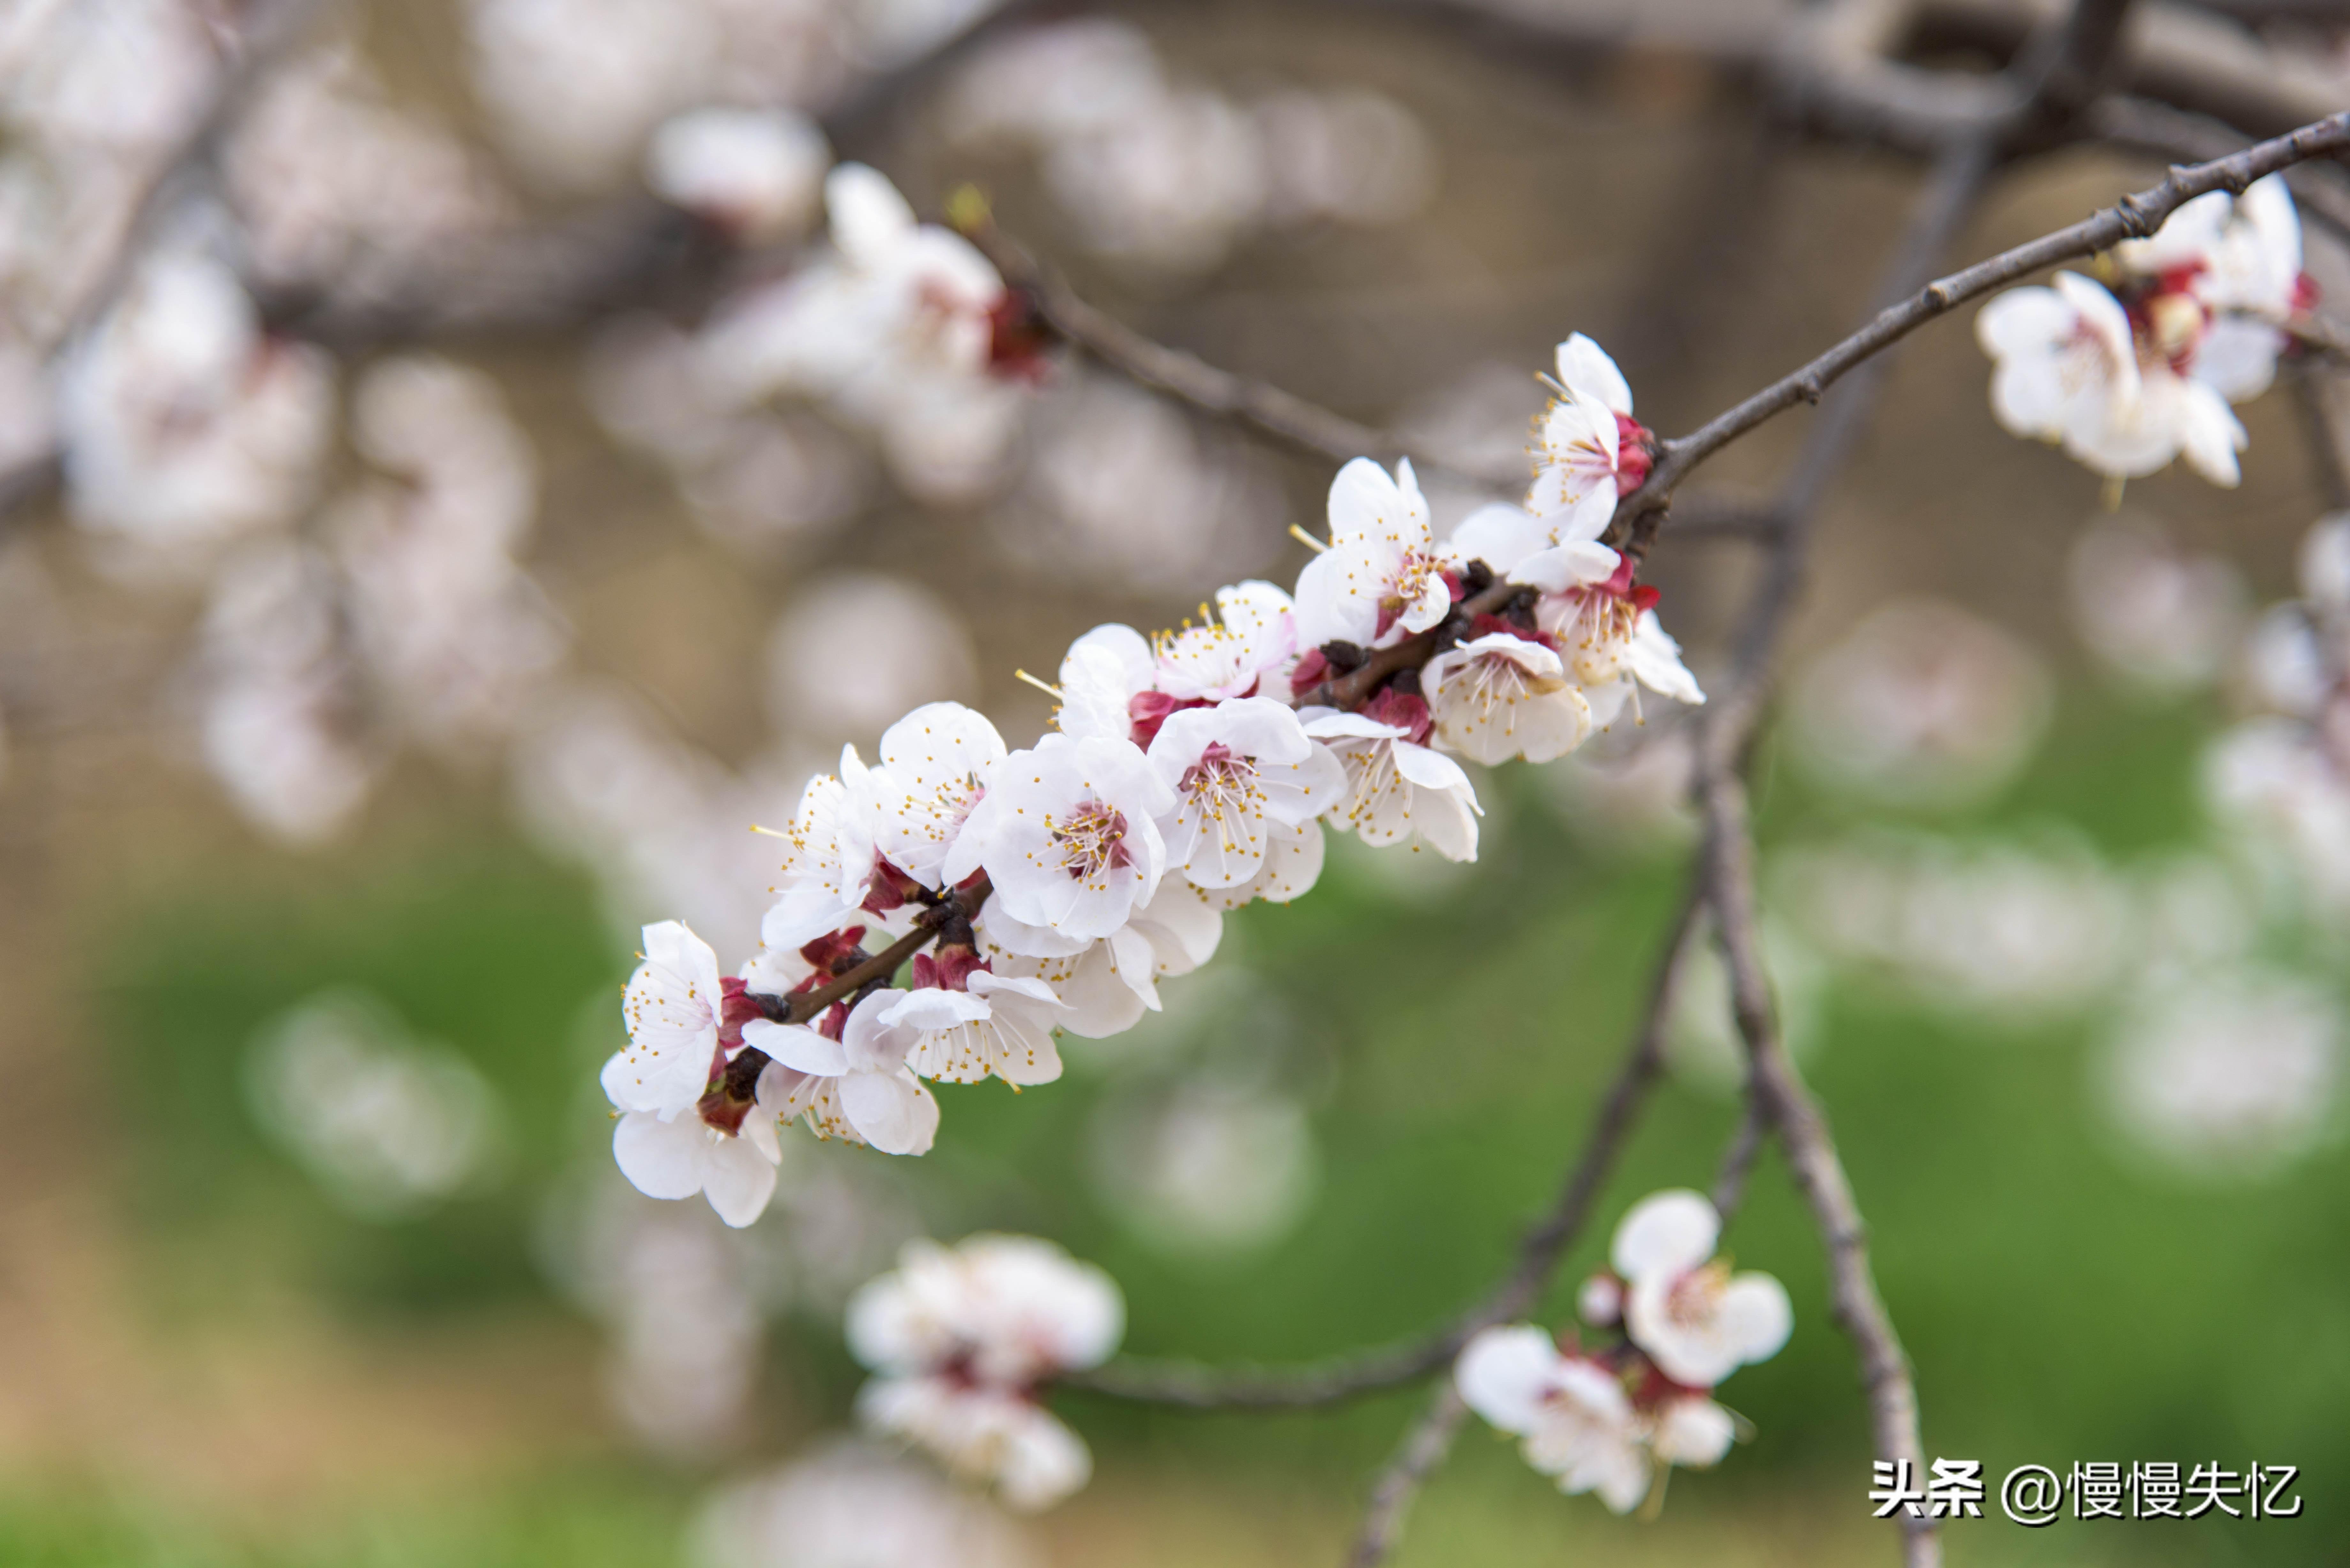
933, 764
860, 1079
2070, 370
1236, 771
1067, 834
1577, 1423
673, 1004
180, 424
1379, 581
1697, 1321
1100, 675
1506, 695
1608, 636
755, 171
1554, 553
829, 868
677, 1156
1592, 448
983, 1434
1253, 631
1396, 787
2237, 252
961, 1337
1009, 1310
1690, 1429
999, 1024
1108, 985
897, 303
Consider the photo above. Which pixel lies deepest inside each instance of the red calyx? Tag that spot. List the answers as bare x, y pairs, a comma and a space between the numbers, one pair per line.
1146, 710
737, 1007
1636, 453
832, 955
1620, 585
1487, 625
951, 971
1017, 336
891, 889
1313, 668
2305, 294
1401, 710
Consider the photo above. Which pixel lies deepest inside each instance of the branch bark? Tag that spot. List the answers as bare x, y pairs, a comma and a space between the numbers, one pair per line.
2132, 217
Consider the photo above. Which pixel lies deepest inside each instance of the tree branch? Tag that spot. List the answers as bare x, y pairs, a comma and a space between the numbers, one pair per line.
1423, 1449
1191, 379
1195, 1386
2132, 217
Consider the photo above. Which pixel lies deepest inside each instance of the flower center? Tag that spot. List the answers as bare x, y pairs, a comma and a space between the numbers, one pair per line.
1092, 840
1407, 588
1695, 1299
1222, 785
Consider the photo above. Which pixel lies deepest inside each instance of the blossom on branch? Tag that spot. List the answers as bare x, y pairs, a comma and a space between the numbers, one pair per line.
961, 1337
1381, 580
1606, 1421
2136, 367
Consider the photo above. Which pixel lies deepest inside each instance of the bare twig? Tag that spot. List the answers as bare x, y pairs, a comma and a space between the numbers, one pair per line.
1853, 1298
2132, 217
1203, 1387
1738, 1160
2142, 125
1191, 379
1422, 1449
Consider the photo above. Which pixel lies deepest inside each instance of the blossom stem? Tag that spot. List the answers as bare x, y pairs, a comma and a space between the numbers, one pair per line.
802, 1006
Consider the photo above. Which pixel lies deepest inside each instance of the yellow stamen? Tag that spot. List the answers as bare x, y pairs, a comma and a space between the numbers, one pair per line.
1053, 691
1308, 540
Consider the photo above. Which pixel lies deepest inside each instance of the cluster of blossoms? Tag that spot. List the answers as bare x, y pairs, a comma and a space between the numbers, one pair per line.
1189, 773
959, 1339
1611, 1419
2138, 365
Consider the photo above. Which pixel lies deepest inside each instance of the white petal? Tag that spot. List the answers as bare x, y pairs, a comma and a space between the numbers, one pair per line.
1755, 1316
662, 1160
738, 1181
1505, 1374
1585, 366
893, 1111
1666, 1233
796, 1046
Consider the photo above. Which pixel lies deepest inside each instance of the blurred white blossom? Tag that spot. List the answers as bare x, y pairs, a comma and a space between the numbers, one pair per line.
1921, 704
2230, 1072
389, 1125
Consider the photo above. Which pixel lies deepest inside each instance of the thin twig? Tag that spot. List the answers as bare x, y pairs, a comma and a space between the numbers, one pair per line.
1738, 1160
1192, 379
2132, 217
2142, 125
1853, 1300
1195, 1386
1422, 1449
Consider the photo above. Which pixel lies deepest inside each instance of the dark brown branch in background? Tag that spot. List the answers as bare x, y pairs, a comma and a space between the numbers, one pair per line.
1423, 1449
1738, 1160
1258, 404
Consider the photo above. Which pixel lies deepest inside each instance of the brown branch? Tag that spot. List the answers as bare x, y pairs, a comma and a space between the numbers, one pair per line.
1738, 1160
1853, 1300
2175, 136
1191, 379
1778, 1099
2135, 216
1422, 1449
1190, 1384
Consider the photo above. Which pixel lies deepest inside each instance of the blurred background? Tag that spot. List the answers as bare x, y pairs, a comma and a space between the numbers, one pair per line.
333, 788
